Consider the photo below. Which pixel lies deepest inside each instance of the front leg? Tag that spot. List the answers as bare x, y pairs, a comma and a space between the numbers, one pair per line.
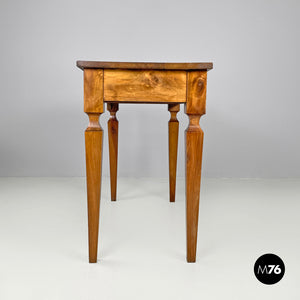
195, 108
93, 106
194, 145
93, 151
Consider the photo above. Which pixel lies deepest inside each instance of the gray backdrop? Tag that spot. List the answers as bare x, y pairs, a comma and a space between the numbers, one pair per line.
252, 121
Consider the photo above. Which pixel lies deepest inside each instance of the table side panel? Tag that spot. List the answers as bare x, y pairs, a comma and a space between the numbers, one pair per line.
153, 86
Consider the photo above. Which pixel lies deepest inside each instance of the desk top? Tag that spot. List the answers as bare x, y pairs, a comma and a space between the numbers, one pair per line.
143, 65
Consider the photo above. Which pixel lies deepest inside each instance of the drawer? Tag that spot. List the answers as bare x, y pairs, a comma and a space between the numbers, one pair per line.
144, 86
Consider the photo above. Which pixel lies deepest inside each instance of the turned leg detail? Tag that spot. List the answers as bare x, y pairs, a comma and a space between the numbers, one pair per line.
113, 128
173, 146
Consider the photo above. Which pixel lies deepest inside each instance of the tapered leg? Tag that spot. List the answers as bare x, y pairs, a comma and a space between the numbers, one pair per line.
173, 146
113, 127
93, 149
194, 108
194, 144
93, 106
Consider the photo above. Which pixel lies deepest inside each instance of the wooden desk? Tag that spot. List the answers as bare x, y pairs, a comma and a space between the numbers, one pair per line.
123, 82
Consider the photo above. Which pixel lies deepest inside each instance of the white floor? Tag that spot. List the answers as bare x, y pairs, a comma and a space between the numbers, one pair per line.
43, 240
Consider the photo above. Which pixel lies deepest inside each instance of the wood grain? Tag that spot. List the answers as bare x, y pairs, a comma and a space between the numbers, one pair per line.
113, 128
93, 150
93, 91
144, 65
196, 92
173, 146
144, 86
195, 108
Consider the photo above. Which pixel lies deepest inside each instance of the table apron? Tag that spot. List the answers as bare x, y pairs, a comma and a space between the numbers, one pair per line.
144, 86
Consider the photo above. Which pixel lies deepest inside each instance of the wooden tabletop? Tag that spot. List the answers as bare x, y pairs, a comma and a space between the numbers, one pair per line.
143, 65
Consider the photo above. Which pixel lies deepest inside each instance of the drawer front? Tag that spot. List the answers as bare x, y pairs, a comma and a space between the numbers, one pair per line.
144, 86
